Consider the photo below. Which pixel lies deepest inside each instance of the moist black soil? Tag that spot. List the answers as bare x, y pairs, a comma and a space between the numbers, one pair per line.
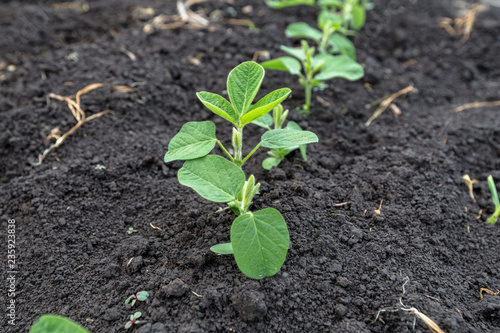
345, 262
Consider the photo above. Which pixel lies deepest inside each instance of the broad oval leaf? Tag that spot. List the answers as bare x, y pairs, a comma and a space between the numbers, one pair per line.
294, 52
270, 162
194, 140
218, 105
303, 30
339, 66
283, 138
223, 248
286, 64
260, 242
264, 105
343, 45
213, 177
266, 121
303, 148
56, 324
243, 83
358, 17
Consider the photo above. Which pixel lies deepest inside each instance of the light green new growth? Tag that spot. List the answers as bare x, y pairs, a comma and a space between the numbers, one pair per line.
277, 155
313, 70
220, 180
494, 196
56, 324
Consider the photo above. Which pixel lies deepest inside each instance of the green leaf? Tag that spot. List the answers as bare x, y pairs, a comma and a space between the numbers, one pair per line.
358, 17
218, 105
343, 45
56, 324
264, 105
339, 66
260, 242
270, 162
278, 4
294, 126
213, 177
224, 248
195, 139
297, 53
303, 30
286, 64
243, 83
331, 3
142, 295
265, 121
128, 325
283, 138
327, 16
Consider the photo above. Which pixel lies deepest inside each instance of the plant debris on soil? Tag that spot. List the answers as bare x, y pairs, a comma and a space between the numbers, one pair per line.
349, 256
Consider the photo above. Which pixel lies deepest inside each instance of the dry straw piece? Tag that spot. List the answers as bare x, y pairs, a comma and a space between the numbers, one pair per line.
470, 183
78, 113
433, 327
385, 102
464, 24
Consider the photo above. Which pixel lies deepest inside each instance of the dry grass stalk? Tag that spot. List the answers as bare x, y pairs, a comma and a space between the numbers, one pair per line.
473, 105
433, 327
470, 183
78, 113
385, 102
488, 292
463, 25
186, 19
82, 6
379, 210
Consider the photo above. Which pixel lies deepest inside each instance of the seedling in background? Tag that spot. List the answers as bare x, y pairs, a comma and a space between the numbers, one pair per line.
131, 230
350, 14
259, 240
278, 118
328, 38
133, 320
494, 196
140, 296
56, 324
313, 70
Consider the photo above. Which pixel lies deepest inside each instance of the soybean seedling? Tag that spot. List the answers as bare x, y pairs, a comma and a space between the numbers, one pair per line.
328, 38
350, 14
494, 196
140, 296
313, 70
133, 320
277, 155
131, 230
49, 323
259, 240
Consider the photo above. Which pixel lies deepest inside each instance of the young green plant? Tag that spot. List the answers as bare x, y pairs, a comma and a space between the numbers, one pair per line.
494, 196
350, 14
56, 324
133, 320
259, 240
313, 69
140, 296
277, 155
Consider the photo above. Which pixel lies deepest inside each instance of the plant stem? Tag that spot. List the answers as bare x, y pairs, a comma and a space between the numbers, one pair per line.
238, 146
225, 150
250, 154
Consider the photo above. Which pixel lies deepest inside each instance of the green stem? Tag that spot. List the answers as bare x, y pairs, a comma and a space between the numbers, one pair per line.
308, 90
238, 154
251, 153
225, 150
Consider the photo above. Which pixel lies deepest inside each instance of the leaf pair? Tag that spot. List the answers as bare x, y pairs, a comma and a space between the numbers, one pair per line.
341, 66
243, 83
197, 139
337, 42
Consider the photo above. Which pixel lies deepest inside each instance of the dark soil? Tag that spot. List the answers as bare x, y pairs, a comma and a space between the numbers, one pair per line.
345, 261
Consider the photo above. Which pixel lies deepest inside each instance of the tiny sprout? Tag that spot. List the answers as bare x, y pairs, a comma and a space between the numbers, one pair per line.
131, 230
141, 296
494, 196
133, 320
